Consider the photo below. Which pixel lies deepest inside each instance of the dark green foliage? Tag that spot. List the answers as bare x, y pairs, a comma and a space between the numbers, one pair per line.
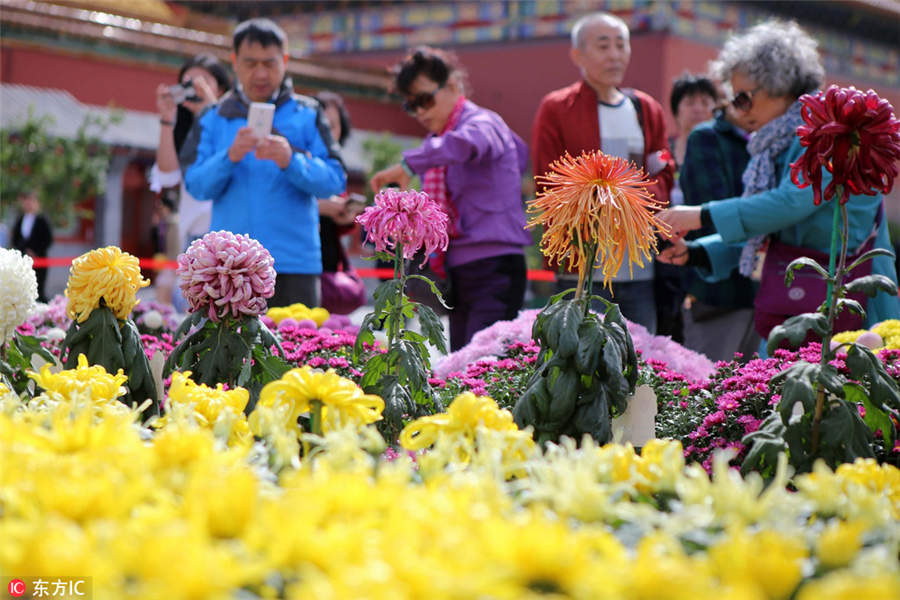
587, 369
400, 375
236, 352
15, 359
817, 417
113, 344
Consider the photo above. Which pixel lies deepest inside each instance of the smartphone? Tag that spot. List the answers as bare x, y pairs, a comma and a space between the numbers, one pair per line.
259, 118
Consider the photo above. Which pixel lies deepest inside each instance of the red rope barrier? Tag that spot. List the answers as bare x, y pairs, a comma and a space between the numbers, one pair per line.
157, 265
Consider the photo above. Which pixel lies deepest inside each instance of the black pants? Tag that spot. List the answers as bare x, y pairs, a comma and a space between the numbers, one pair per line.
483, 292
291, 288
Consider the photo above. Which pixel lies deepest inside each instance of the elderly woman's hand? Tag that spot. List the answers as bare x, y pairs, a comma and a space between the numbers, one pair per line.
676, 253
680, 220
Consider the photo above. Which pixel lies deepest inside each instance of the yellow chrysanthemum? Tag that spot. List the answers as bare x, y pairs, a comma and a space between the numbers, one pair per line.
94, 380
465, 414
595, 199
839, 543
108, 274
343, 402
208, 402
215, 407
889, 331
298, 312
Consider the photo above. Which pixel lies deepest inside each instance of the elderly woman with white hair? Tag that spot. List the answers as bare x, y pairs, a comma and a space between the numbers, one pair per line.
768, 68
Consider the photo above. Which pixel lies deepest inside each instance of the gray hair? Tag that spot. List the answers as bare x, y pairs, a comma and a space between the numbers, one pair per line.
585, 21
780, 57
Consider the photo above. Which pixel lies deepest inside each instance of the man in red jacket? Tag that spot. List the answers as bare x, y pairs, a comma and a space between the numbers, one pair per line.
595, 114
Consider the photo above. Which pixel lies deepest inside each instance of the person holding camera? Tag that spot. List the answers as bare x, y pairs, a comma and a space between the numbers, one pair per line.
263, 155
202, 80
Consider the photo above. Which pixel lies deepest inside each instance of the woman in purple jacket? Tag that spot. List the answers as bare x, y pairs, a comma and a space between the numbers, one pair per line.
472, 164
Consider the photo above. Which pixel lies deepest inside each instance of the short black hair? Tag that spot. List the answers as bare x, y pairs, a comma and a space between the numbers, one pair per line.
689, 84
331, 99
436, 65
264, 32
211, 65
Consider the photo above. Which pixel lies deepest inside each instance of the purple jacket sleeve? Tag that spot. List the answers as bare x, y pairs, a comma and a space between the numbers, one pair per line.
473, 141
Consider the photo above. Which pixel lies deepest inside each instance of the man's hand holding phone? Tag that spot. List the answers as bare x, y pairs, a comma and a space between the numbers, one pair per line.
244, 142
275, 148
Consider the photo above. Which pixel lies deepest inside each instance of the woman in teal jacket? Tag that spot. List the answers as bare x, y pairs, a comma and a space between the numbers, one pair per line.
769, 68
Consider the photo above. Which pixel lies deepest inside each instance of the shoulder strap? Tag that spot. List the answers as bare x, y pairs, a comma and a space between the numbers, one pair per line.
636, 102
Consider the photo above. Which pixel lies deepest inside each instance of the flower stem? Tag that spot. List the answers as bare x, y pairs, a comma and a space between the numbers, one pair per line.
315, 416
396, 314
833, 296
589, 287
835, 232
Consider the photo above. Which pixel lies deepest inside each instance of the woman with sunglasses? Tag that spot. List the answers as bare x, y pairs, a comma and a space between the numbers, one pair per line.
769, 67
471, 163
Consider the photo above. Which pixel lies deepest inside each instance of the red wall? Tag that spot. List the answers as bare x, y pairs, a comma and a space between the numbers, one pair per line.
92, 80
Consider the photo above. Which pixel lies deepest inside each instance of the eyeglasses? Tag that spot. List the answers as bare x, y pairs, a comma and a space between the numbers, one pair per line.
423, 100
743, 100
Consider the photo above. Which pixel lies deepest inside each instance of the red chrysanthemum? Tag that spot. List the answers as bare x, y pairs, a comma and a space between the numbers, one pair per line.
854, 135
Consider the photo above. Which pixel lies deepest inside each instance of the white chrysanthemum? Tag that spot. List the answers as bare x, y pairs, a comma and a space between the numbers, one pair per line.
18, 291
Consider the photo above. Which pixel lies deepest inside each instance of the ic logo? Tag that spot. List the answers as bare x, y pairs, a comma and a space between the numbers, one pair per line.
796, 293
16, 588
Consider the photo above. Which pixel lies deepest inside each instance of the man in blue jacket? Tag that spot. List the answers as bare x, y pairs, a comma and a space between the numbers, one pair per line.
266, 188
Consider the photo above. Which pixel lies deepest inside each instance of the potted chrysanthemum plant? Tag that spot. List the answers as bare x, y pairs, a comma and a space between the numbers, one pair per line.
400, 223
593, 208
18, 295
855, 136
101, 292
226, 279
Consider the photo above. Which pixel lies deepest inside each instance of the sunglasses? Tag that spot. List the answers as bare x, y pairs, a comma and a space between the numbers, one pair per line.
424, 100
743, 100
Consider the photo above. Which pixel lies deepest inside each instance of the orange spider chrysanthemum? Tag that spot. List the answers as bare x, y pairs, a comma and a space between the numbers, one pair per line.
596, 199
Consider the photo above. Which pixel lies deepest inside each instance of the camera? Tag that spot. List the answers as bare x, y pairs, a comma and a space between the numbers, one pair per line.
184, 92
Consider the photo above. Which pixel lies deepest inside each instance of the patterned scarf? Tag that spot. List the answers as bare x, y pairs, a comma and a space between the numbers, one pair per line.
434, 183
765, 145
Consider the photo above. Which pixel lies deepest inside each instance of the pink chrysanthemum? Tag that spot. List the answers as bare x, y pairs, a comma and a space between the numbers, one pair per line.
854, 135
408, 218
223, 273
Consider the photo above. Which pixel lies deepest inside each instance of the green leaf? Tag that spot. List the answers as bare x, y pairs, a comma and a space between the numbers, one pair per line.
875, 418
412, 362
870, 285
868, 256
433, 287
593, 419
432, 327
371, 322
29, 345
376, 369
106, 342
830, 378
385, 294
851, 305
591, 338
563, 393
189, 321
412, 336
565, 324
799, 263
764, 445
794, 330
799, 386
864, 365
